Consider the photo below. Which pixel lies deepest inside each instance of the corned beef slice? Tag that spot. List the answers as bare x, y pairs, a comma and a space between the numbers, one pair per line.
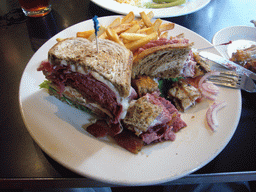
178, 123
189, 66
158, 134
90, 88
163, 41
170, 121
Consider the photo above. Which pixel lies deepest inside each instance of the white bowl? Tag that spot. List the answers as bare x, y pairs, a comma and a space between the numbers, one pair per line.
241, 37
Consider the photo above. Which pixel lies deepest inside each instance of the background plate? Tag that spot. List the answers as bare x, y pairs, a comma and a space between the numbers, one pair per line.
57, 129
233, 33
189, 7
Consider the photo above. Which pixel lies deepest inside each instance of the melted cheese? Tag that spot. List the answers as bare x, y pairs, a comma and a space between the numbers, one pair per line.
122, 100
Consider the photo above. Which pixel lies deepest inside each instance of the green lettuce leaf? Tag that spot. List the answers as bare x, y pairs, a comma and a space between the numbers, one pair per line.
46, 85
165, 84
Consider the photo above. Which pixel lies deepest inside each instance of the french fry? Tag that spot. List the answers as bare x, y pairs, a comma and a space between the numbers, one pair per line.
85, 34
113, 36
153, 28
59, 39
181, 35
145, 19
125, 41
139, 43
150, 16
130, 31
132, 36
164, 35
116, 22
166, 27
133, 29
134, 22
121, 28
103, 35
147, 31
157, 24
128, 18
101, 30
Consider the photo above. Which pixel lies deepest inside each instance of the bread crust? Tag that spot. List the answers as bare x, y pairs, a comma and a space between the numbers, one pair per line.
142, 113
164, 61
144, 85
113, 61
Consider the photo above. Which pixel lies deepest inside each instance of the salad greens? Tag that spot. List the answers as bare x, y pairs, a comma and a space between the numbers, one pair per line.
46, 85
165, 84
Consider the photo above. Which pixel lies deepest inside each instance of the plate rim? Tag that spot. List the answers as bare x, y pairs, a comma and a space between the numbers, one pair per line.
157, 15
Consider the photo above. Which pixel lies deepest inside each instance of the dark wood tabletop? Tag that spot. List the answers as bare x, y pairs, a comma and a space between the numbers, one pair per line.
24, 165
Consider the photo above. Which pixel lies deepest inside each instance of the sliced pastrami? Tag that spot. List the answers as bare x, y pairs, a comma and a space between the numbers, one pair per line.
90, 88
163, 41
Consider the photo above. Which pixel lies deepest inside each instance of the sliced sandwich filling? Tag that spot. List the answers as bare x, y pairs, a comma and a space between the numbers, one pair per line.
163, 41
153, 119
188, 69
92, 90
183, 95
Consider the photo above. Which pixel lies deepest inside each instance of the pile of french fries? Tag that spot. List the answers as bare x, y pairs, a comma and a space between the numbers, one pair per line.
130, 31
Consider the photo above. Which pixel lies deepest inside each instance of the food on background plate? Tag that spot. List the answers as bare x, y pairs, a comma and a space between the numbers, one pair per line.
130, 2
133, 107
164, 3
246, 58
156, 4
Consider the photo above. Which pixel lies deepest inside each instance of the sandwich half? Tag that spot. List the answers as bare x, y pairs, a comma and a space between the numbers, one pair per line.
169, 62
162, 58
86, 78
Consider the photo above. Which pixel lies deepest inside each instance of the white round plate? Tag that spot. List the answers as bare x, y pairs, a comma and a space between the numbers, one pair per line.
57, 129
122, 8
241, 37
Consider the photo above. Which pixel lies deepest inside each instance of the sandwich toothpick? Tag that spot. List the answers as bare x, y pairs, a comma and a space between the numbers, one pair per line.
96, 29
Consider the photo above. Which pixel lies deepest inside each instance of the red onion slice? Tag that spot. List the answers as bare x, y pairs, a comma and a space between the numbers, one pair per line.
208, 90
208, 95
206, 76
211, 114
211, 88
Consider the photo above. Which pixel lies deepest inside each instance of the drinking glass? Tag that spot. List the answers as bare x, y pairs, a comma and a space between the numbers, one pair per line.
35, 8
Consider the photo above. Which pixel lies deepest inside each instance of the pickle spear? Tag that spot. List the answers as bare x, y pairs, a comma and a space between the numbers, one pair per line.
170, 3
164, 1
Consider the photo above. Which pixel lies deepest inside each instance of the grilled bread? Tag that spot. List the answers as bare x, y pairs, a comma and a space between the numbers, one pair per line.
113, 62
144, 85
164, 61
153, 119
142, 113
85, 77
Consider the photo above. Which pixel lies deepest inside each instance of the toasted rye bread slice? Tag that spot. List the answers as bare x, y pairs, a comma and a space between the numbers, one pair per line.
113, 61
202, 66
141, 114
164, 61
